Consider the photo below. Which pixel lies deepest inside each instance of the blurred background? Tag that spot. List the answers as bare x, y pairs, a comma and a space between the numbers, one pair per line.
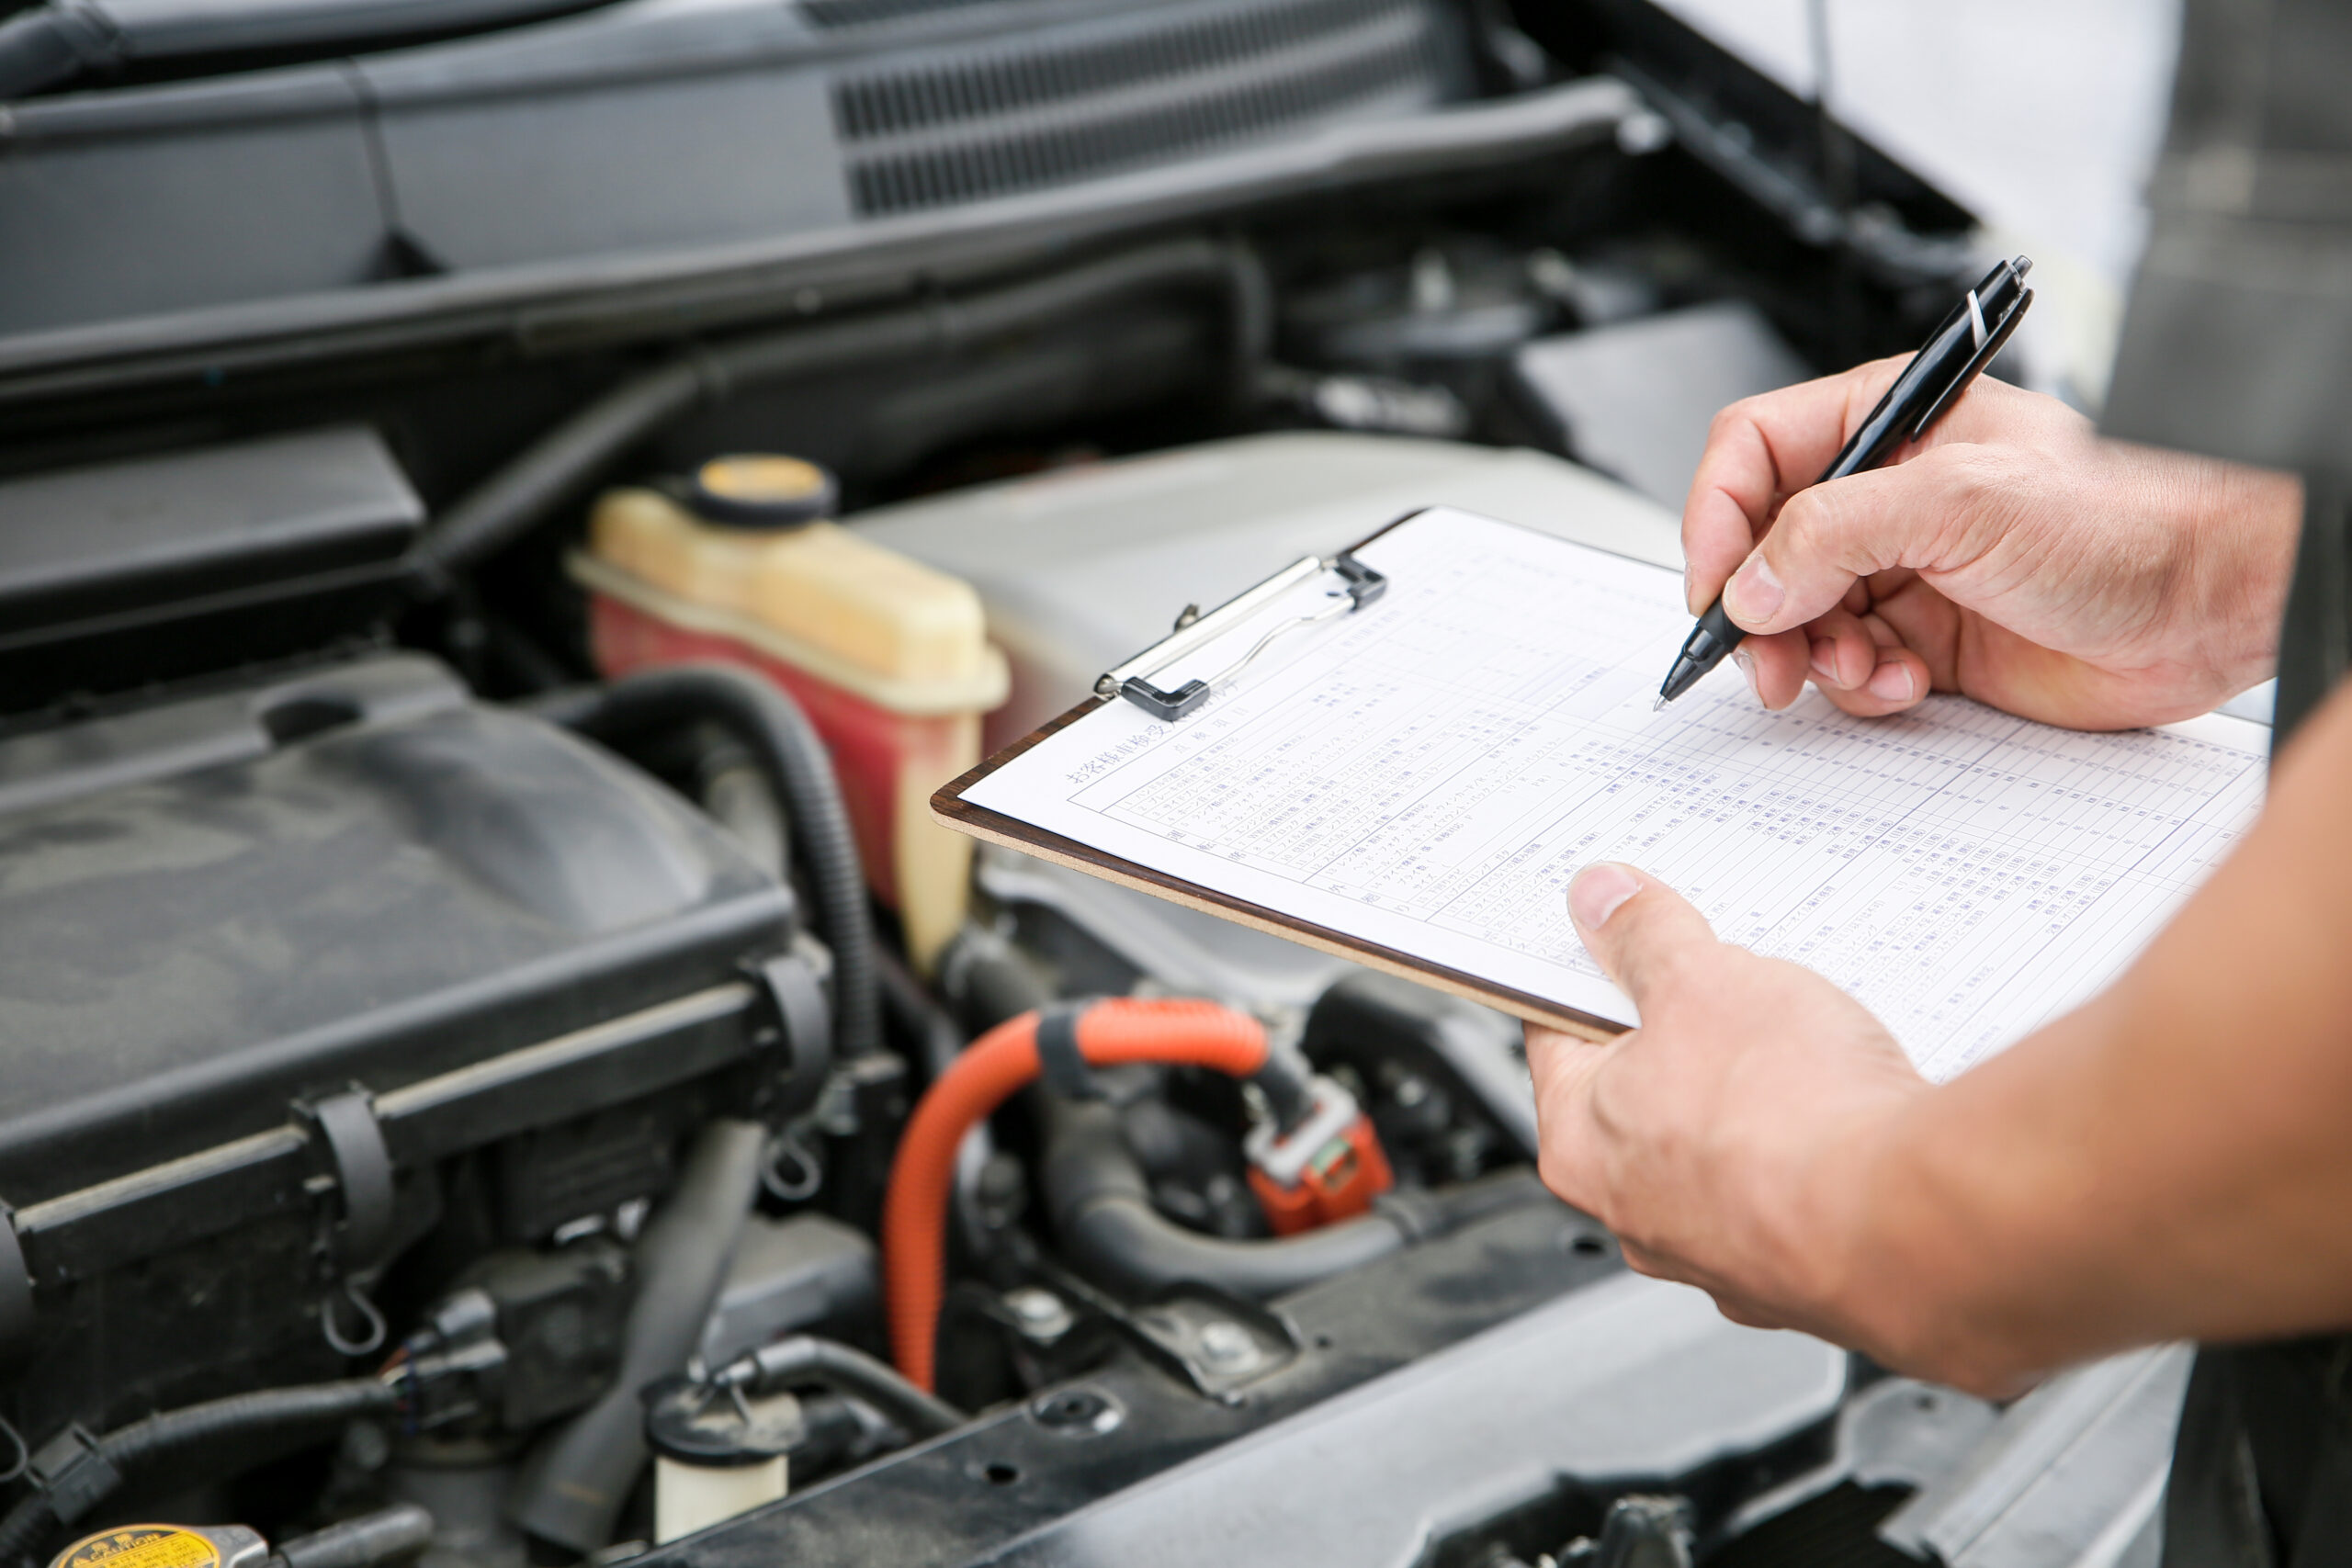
2043, 119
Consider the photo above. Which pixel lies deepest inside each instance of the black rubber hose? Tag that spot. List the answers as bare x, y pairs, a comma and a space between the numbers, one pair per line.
575, 1482
772, 729
1515, 1187
831, 1431
566, 460
986, 982
912, 1010
388, 1535
1289, 1085
50, 44
805, 1358
177, 1449
1101, 1212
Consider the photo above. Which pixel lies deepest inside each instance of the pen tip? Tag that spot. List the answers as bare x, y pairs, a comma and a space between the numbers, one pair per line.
1659, 706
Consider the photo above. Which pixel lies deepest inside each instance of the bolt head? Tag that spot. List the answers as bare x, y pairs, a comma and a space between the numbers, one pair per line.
1038, 1313
1227, 1347
1081, 1412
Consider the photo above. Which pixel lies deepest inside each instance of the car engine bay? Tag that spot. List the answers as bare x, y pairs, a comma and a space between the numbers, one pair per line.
504, 519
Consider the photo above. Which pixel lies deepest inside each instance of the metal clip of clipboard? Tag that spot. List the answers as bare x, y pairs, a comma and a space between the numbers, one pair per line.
1359, 586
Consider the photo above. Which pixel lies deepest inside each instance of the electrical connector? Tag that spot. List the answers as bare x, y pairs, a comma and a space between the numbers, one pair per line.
453, 1367
1327, 1166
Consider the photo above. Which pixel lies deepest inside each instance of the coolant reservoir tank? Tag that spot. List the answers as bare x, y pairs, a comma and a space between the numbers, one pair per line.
887, 656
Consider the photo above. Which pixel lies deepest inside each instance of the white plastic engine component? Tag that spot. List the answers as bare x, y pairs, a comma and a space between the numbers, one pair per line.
688, 1497
1081, 568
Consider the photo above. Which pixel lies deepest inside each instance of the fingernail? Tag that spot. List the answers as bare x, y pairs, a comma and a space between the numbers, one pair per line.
1746, 663
1891, 682
1594, 896
1824, 657
1754, 593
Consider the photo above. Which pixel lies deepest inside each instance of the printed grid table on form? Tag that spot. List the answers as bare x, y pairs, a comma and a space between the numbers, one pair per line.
1428, 774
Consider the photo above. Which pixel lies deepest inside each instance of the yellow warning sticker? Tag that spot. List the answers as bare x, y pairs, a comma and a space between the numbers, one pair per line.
141, 1546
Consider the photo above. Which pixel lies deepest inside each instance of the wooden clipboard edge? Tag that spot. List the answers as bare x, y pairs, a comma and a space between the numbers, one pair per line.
950, 810
990, 828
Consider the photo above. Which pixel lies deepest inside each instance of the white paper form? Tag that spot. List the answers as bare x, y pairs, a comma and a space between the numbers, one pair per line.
1428, 774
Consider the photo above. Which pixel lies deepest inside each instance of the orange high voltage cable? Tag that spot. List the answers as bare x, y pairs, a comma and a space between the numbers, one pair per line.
914, 1215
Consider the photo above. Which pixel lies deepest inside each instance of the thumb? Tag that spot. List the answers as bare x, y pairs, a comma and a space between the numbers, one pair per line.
1828, 536
1643, 933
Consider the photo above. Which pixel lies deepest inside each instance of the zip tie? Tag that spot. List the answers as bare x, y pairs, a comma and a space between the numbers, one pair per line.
1059, 1062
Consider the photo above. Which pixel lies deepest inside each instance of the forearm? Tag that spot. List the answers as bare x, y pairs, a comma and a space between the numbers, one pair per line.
2171, 1160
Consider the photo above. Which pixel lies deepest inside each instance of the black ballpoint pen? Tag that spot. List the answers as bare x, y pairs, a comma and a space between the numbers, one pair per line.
1963, 344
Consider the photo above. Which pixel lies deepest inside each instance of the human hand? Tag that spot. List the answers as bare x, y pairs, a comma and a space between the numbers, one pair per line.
1725, 1141
2012, 556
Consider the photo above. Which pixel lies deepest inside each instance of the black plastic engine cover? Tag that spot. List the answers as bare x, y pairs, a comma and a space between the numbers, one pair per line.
422, 883
272, 960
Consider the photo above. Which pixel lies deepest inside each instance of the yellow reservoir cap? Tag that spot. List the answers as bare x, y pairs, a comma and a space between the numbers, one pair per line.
165, 1546
760, 491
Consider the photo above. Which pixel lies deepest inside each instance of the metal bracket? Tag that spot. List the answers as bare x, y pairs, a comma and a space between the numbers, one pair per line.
1217, 1342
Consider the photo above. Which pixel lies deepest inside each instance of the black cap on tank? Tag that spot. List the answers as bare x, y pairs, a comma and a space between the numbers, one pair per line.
757, 491
692, 1423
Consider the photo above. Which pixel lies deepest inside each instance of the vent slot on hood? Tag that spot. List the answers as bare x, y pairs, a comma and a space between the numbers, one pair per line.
963, 130
865, 13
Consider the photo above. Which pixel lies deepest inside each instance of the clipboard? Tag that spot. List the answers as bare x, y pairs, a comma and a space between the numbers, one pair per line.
1415, 796
1132, 682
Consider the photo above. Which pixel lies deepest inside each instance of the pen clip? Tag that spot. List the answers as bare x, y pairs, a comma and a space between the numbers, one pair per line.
1992, 345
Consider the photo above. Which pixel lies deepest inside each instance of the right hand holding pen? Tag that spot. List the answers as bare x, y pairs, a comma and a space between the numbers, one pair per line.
2012, 556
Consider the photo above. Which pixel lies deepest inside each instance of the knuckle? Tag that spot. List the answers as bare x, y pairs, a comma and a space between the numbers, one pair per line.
1732, 417
1607, 1106
1974, 477
1977, 498
1805, 517
1964, 465
1629, 1129
1851, 530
